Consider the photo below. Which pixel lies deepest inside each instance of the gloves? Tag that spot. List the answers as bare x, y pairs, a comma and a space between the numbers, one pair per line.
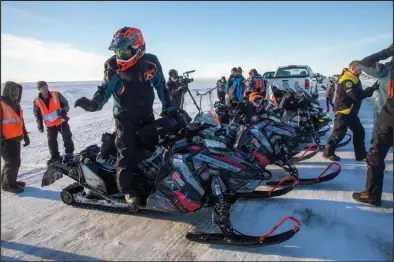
369, 91
83, 102
62, 113
375, 86
27, 140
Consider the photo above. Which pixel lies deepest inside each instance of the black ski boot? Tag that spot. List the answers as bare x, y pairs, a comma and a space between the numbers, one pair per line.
53, 159
13, 189
362, 157
328, 154
21, 183
365, 198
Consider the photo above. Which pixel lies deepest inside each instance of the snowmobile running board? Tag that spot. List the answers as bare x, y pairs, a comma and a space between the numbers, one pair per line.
239, 239
317, 180
343, 144
306, 156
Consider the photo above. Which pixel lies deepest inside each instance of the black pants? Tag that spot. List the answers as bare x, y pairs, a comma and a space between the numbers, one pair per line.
11, 154
65, 131
222, 96
328, 103
127, 156
375, 160
176, 100
341, 124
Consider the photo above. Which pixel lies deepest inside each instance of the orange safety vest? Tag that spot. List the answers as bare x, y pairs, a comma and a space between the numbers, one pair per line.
12, 125
50, 116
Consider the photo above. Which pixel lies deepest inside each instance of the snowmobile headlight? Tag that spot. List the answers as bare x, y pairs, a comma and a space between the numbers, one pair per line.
210, 143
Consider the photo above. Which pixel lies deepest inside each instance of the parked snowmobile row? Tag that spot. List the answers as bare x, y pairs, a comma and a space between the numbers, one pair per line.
219, 157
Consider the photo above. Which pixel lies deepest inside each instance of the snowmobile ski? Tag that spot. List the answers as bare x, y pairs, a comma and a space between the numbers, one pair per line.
239, 239
306, 155
272, 193
313, 181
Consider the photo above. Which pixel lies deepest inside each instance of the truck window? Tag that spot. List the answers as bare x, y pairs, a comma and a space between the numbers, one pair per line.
292, 72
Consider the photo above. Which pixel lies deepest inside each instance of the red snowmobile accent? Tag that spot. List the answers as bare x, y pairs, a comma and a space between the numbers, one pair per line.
279, 224
191, 206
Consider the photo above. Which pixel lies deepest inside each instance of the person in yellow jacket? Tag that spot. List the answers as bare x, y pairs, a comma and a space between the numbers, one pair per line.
13, 131
349, 96
50, 108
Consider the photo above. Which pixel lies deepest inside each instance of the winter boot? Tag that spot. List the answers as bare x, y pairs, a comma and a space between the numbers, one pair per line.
364, 197
53, 159
13, 189
362, 157
21, 183
68, 158
133, 202
329, 155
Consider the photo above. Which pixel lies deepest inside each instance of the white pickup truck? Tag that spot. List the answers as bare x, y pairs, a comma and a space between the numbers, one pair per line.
302, 74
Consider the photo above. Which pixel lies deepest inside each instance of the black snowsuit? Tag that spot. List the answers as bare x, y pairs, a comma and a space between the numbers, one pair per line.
11, 148
349, 96
378, 151
53, 131
133, 109
176, 92
221, 89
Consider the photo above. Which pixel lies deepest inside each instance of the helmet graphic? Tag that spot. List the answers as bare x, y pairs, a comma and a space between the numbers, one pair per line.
129, 46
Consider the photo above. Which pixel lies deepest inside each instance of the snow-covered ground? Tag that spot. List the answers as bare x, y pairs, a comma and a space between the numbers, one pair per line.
36, 225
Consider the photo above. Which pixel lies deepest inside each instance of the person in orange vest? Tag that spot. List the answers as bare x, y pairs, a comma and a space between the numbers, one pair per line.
50, 108
13, 131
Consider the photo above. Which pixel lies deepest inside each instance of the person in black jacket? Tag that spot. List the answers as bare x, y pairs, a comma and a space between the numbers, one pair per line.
376, 155
13, 131
349, 96
130, 76
45, 106
175, 88
221, 89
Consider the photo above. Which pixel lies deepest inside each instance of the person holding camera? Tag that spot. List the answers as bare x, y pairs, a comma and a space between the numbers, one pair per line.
51, 107
175, 89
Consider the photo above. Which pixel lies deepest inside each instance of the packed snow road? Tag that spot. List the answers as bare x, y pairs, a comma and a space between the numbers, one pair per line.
37, 225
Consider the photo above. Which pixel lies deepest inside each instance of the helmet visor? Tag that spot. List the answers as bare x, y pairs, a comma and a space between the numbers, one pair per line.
123, 54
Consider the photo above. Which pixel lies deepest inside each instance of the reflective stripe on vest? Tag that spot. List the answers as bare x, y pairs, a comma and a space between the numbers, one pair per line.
50, 116
12, 124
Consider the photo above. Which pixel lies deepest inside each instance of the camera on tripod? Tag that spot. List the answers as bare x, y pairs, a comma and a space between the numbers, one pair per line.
185, 80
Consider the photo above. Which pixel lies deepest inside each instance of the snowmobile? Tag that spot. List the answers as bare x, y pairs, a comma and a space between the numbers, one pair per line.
184, 173
266, 142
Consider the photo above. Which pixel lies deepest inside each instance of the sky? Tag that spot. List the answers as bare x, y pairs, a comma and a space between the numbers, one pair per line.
68, 41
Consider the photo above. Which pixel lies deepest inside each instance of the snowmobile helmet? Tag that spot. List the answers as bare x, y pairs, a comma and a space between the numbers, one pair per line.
129, 46
173, 73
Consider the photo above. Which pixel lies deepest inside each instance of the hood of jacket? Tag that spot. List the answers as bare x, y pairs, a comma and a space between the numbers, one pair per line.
7, 90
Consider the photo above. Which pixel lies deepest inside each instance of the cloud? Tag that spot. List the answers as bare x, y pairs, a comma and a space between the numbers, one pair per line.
26, 59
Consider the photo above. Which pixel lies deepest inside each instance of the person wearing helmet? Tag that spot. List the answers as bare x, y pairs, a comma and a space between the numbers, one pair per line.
175, 89
130, 76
